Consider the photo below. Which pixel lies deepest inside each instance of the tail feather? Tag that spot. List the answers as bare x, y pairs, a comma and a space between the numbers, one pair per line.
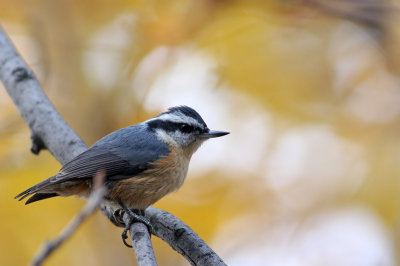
40, 196
25, 193
32, 190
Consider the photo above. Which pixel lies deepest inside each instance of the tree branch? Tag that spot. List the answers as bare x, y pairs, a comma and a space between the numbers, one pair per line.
141, 243
49, 130
182, 238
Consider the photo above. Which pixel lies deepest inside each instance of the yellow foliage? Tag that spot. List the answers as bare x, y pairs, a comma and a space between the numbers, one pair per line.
308, 89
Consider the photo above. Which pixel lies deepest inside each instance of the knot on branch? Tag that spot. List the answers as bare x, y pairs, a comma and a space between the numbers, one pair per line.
37, 144
179, 232
21, 74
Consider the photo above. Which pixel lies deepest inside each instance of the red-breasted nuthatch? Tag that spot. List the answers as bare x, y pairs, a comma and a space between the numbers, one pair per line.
143, 162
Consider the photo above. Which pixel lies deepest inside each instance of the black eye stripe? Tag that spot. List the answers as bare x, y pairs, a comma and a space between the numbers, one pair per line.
172, 126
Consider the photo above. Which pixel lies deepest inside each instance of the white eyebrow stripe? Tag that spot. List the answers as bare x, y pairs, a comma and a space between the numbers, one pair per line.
177, 119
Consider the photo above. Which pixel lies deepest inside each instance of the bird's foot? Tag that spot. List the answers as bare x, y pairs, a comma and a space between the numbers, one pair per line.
135, 216
124, 234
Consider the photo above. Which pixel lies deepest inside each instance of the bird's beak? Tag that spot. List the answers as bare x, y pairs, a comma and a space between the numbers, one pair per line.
213, 134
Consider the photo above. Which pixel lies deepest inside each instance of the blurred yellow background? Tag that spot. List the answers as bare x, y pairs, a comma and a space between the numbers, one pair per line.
309, 89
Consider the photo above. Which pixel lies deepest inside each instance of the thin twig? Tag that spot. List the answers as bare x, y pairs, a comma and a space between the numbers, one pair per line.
93, 202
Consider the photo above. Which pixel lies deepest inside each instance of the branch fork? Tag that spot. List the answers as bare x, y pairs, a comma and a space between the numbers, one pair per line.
50, 131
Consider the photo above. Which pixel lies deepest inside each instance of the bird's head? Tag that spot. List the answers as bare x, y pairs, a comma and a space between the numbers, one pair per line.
182, 126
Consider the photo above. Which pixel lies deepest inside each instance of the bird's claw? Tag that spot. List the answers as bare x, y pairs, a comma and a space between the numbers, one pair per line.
124, 234
134, 217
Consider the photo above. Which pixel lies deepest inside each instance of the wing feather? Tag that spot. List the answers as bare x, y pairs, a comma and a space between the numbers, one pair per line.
86, 165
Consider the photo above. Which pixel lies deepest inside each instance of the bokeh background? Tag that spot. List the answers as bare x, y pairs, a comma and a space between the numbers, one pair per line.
309, 89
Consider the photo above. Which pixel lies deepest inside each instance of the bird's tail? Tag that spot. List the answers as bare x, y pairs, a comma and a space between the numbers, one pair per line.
38, 191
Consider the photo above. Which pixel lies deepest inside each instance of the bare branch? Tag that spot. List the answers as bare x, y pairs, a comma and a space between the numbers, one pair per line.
93, 202
181, 238
141, 243
173, 231
49, 130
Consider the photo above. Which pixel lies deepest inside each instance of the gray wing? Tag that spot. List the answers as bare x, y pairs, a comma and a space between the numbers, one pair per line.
122, 154
87, 164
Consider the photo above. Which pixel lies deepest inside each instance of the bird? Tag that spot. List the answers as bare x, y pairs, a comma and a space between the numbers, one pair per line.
142, 163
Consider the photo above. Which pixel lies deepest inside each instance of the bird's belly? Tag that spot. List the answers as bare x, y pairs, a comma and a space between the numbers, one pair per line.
139, 192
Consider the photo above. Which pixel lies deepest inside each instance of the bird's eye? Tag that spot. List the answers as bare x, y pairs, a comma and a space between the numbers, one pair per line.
186, 128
